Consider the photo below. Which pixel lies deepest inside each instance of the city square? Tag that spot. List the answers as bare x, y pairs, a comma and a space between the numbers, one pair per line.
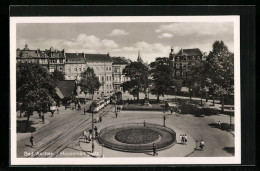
117, 90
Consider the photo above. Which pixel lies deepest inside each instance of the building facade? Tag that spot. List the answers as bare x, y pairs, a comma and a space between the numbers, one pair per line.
51, 59
118, 65
185, 60
102, 66
75, 64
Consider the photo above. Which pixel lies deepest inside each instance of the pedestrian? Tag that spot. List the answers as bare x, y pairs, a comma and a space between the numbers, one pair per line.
52, 112
154, 150
219, 124
181, 138
144, 123
100, 118
84, 111
202, 144
43, 119
116, 114
164, 118
185, 139
31, 140
58, 111
171, 110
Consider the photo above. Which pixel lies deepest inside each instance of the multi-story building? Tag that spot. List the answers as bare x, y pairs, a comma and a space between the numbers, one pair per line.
102, 65
185, 60
75, 64
51, 59
119, 63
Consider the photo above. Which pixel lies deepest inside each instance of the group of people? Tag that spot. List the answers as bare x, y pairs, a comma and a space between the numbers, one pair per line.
184, 139
90, 137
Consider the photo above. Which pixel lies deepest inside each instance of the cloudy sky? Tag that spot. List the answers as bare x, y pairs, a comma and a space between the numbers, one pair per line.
125, 39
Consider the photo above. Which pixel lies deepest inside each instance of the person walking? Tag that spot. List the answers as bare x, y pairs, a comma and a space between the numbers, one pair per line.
43, 119
185, 139
171, 110
181, 138
164, 118
219, 124
154, 150
84, 111
58, 111
100, 118
202, 144
31, 140
52, 112
144, 123
116, 114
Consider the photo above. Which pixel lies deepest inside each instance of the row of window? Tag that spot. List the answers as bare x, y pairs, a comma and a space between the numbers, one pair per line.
188, 58
103, 78
184, 66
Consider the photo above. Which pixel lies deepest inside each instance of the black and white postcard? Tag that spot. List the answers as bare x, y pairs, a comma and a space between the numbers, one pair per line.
125, 90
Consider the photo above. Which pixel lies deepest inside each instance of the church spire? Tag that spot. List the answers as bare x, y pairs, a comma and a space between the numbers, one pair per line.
139, 59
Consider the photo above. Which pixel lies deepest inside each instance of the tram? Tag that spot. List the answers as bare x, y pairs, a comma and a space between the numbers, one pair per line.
99, 104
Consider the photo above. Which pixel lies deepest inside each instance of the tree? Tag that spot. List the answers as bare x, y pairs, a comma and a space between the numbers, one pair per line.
58, 75
35, 89
220, 70
162, 77
138, 74
89, 82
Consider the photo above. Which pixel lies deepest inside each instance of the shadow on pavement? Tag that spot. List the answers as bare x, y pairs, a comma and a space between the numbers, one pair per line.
21, 126
230, 150
223, 127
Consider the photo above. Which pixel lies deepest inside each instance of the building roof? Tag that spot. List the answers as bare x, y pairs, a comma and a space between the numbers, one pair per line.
66, 87
75, 58
28, 53
119, 60
98, 58
189, 52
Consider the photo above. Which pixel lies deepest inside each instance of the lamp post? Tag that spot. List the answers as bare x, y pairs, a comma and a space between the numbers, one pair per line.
102, 150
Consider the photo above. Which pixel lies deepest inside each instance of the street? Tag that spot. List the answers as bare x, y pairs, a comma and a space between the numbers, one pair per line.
57, 135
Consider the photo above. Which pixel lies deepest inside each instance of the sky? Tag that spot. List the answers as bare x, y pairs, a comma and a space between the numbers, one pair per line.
125, 39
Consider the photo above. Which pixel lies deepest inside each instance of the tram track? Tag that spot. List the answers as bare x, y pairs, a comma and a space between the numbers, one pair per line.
71, 131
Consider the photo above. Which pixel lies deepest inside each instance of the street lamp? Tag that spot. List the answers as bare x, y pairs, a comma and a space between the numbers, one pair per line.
102, 150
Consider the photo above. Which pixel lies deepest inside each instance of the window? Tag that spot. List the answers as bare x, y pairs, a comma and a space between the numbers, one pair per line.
61, 60
106, 68
75, 69
109, 68
107, 78
110, 86
102, 78
181, 74
79, 69
83, 69
115, 70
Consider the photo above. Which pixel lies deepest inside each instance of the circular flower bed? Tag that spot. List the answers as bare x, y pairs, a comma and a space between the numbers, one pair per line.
137, 136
